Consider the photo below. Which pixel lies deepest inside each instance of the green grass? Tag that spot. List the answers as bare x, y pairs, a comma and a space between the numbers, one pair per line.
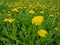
22, 31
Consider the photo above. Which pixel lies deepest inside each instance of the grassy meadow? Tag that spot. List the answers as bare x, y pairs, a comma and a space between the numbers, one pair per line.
29, 22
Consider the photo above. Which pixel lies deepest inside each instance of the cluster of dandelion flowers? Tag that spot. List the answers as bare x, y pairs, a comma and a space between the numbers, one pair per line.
37, 20
42, 32
10, 20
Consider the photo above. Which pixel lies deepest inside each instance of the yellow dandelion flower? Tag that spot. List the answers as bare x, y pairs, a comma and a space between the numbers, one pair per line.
42, 12
31, 12
56, 29
37, 20
10, 20
51, 15
9, 14
42, 32
14, 10
9, 11
30, 5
